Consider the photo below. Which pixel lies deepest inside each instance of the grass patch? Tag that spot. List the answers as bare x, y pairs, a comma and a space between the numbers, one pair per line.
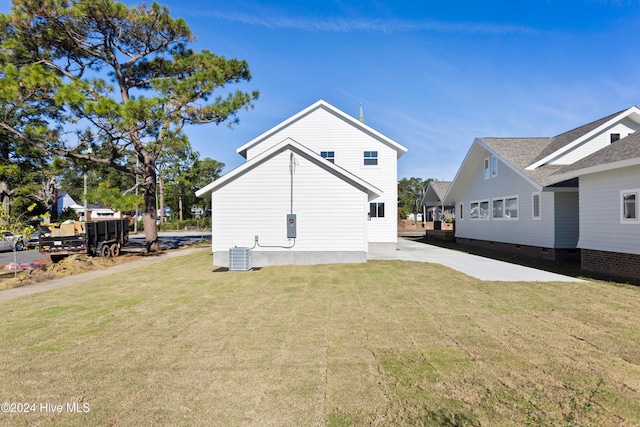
381, 343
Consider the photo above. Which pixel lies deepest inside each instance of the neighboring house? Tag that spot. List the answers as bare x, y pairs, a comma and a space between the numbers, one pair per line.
507, 194
433, 200
609, 196
335, 173
95, 211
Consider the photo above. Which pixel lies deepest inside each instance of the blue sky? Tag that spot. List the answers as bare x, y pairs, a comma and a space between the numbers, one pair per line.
432, 75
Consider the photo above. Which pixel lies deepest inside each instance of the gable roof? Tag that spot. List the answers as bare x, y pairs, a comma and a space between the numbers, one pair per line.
566, 141
321, 104
290, 144
435, 192
622, 153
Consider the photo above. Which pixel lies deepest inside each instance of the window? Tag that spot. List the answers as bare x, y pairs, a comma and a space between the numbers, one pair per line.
629, 208
504, 208
494, 166
615, 137
479, 210
370, 158
475, 209
376, 210
511, 208
536, 206
498, 208
486, 168
461, 209
329, 155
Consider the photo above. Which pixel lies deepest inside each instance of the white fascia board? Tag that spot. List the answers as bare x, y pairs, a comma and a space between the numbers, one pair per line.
598, 168
400, 149
455, 178
242, 150
584, 137
430, 190
511, 166
477, 141
290, 144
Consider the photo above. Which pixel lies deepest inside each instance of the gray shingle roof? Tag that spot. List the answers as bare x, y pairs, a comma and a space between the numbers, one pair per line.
522, 152
565, 138
440, 187
624, 149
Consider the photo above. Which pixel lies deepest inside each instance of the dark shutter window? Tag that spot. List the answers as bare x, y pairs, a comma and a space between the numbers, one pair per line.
376, 210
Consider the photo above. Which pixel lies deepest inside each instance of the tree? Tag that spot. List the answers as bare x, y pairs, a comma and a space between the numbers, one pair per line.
122, 77
410, 193
17, 229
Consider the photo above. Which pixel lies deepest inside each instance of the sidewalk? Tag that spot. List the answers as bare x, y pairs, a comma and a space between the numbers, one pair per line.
476, 266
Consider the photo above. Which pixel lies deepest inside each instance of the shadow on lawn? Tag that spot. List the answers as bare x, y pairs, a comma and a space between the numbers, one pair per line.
560, 267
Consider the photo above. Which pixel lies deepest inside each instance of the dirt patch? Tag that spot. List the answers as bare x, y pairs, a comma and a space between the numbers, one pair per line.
74, 264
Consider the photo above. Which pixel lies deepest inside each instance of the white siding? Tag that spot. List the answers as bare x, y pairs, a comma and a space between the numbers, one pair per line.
331, 213
525, 230
600, 225
321, 130
601, 140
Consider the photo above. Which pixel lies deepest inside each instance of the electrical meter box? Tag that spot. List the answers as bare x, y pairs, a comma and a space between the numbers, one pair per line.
291, 226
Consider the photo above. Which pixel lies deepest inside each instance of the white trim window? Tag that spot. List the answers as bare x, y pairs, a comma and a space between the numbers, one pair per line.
494, 166
329, 155
479, 210
536, 211
511, 207
487, 169
498, 208
370, 158
629, 202
505, 208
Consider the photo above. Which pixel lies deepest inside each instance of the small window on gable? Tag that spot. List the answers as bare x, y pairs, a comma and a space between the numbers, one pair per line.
615, 137
494, 166
329, 155
486, 168
370, 158
536, 206
629, 209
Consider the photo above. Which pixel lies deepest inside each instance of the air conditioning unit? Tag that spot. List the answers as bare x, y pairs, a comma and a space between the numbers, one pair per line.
239, 259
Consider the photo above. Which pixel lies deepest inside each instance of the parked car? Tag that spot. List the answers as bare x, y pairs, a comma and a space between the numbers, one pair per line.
8, 239
33, 241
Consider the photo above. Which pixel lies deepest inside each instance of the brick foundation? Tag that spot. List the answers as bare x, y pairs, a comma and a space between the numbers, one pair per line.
551, 254
612, 264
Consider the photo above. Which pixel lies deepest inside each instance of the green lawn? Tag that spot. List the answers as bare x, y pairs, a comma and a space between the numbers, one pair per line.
382, 343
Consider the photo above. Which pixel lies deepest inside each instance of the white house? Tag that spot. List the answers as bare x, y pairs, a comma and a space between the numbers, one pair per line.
433, 198
337, 175
609, 195
95, 211
507, 194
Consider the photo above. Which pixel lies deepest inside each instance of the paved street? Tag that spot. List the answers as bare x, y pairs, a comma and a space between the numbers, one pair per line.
168, 240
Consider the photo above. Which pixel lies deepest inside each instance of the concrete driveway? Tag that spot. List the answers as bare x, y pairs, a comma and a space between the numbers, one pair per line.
473, 265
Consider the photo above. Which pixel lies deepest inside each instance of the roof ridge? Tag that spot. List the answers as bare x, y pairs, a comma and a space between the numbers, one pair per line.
594, 124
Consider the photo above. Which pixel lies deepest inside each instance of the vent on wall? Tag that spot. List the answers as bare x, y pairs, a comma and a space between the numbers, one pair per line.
239, 259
